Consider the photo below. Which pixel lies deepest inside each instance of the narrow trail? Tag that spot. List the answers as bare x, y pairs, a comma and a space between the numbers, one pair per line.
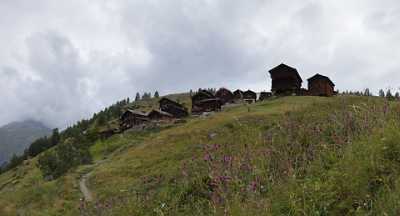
87, 194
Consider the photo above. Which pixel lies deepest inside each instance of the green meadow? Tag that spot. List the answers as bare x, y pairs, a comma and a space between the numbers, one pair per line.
286, 156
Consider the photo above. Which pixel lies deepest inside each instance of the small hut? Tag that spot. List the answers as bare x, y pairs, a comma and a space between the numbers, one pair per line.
265, 96
238, 94
132, 118
304, 92
320, 85
285, 80
250, 96
157, 115
202, 95
225, 96
176, 109
105, 133
205, 101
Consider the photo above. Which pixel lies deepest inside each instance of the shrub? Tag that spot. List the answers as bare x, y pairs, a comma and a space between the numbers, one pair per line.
65, 156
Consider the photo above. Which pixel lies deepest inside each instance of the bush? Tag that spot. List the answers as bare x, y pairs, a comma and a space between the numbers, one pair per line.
65, 156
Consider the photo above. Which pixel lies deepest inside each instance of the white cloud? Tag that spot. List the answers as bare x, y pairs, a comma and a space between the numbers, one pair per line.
63, 60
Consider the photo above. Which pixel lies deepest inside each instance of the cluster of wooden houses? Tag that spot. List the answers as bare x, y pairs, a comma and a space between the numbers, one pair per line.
206, 101
285, 81
168, 111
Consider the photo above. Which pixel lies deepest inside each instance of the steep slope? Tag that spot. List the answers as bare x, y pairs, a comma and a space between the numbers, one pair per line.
16, 136
289, 156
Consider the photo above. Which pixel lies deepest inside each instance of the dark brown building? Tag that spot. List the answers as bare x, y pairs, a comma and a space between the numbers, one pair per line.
238, 94
285, 80
304, 92
320, 85
265, 96
250, 96
176, 109
106, 133
159, 115
205, 101
202, 95
132, 118
225, 95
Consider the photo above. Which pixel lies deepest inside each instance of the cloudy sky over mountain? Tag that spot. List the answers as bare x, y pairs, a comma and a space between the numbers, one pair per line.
61, 61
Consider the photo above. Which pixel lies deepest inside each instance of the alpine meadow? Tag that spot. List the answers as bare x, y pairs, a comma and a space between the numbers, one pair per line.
199, 108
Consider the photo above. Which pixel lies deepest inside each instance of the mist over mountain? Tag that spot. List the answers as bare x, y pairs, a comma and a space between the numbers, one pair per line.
16, 136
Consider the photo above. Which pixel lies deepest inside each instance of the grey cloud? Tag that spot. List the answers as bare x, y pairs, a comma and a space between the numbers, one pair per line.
193, 44
109, 50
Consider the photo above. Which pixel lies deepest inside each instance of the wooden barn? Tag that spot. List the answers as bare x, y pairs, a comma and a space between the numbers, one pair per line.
132, 118
265, 96
238, 94
205, 101
250, 96
202, 95
320, 85
106, 133
225, 96
304, 92
176, 109
157, 115
285, 80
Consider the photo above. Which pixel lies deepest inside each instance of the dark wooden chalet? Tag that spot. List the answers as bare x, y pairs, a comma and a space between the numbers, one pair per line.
320, 85
106, 133
176, 109
250, 96
304, 92
225, 96
206, 105
156, 115
132, 118
285, 80
205, 101
202, 95
238, 94
264, 96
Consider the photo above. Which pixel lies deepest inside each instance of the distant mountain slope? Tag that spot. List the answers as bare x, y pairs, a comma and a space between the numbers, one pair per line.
16, 136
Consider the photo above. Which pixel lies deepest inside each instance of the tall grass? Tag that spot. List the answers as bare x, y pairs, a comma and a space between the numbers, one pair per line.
332, 158
275, 175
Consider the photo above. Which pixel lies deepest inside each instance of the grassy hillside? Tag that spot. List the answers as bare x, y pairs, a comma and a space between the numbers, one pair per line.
289, 156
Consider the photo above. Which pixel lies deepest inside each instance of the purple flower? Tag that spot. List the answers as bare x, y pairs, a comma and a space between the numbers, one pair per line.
207, 157
227, 159
224, 179
253, 186
216, 146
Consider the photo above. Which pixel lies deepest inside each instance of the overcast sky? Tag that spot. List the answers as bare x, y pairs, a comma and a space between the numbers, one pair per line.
60, 61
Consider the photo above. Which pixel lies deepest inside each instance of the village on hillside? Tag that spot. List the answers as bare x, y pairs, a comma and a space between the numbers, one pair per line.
286, 81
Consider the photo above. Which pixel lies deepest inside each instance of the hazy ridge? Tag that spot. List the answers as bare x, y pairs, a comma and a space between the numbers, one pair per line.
16, 136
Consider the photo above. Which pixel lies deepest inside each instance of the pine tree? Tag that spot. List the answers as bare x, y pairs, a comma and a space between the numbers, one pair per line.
156, 94
55, 138
367, 92
389, 95
137, 98
146, 96
102, 119
381, 93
